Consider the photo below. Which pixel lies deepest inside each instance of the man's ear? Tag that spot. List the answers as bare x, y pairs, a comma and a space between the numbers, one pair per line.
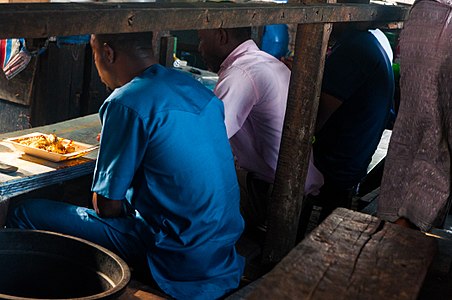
223, 36
109, 53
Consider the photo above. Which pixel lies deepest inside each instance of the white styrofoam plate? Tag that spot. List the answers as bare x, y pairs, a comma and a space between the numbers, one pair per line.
80, 148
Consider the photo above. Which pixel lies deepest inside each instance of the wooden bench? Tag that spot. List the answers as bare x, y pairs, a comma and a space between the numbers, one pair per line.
309, 215
350, 255
139, 291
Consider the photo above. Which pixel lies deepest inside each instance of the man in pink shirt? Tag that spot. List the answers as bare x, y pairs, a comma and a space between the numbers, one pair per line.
253, 86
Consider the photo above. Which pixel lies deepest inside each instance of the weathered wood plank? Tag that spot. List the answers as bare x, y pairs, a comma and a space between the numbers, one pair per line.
352, 256
302, 103
438, 282
245, 291
19, 88
58, 88
13, 116
138, 291
50, 19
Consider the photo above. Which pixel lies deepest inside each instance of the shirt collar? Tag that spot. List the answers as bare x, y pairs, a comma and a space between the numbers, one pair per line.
248, 45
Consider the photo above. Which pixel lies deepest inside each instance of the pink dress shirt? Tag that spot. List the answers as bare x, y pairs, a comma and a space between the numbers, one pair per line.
253, 86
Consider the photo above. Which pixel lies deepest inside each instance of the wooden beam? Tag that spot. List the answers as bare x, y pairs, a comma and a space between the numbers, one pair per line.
351, 256
303, 100
33, 20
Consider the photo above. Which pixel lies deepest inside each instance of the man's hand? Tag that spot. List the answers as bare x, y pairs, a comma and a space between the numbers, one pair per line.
405, 223
107, 208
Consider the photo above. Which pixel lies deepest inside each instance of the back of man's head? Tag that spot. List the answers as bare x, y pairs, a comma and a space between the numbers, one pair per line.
216, 44
134, 44
240, 34
121, 57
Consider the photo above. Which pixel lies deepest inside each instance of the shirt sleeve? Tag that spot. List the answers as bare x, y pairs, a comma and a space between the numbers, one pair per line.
237, 91
122, 147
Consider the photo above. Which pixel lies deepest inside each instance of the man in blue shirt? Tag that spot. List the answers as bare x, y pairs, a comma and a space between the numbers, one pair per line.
165, 193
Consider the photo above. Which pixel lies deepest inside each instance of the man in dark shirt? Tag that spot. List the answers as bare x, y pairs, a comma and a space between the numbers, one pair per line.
357, 93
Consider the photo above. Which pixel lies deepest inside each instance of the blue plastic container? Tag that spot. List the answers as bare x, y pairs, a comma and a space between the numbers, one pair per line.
275, 40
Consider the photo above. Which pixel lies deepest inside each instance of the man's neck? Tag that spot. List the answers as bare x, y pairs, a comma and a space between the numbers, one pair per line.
134, 68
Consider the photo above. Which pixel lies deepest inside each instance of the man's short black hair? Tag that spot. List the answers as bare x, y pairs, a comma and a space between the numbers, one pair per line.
241, 33
127, 42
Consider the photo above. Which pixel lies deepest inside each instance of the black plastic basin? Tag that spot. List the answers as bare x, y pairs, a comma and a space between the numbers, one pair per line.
38, 264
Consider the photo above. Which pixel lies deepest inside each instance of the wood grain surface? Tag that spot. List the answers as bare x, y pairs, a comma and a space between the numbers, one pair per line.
35, 20
303, 100
352, 256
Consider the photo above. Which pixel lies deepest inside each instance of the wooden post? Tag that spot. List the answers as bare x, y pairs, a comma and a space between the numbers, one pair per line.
167, 50
302, 104
256, 34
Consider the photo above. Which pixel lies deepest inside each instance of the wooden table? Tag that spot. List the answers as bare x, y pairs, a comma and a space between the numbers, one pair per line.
35, 173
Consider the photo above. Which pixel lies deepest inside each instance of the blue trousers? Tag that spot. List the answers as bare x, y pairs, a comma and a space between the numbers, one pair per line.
120, 235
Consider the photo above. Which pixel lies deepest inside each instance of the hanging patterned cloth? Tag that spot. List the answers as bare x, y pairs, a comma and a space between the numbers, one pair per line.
14, 57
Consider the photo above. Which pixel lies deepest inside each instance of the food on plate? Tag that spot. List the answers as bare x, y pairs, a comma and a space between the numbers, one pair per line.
50, 143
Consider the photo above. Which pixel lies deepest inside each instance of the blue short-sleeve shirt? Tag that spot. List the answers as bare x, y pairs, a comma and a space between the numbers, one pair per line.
358, 73
164, 148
